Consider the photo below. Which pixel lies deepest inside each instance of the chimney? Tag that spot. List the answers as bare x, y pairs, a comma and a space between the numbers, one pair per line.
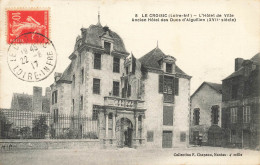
37, 99
238, 63
57, 76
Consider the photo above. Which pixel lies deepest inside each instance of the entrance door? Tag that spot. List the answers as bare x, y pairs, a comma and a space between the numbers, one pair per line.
246, 139
195, 136
167, 139
124, 131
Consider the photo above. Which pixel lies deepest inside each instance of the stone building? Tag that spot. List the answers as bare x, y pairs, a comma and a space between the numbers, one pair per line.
137, 102
32, 103
240, 104
206, 114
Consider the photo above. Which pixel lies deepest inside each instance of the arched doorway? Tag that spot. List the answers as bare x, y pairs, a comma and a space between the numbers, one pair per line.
124, 132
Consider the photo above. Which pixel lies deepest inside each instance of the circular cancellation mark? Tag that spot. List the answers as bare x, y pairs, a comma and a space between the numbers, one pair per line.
33, 58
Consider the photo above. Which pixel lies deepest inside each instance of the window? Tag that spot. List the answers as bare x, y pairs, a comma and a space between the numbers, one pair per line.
82, 75
110, 116
115, 88
73, 80
169, 68
196, 116
54, 97
55, 115
246, 114
95, 114
182, 136
81, 103
97, 61
80, 58
167, 115
234, 91
126, 70
107, 47
116, 64
233, 115
214, 114
96, 86
73, 105
129, 90
149, 136
168, 85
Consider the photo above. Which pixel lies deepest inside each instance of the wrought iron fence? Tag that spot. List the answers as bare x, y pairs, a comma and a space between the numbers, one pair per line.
36, 125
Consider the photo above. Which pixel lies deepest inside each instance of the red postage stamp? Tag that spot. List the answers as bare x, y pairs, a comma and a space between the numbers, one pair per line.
27, 21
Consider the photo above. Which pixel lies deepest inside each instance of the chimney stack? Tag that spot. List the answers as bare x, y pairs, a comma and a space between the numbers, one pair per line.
238, 63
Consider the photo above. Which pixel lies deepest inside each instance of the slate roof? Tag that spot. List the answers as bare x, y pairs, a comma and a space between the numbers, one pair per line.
255, 59
151, 59
215, 86
66, 75
93, 37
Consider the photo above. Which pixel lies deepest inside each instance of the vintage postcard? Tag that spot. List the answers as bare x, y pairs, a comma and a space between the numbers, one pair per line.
129, 82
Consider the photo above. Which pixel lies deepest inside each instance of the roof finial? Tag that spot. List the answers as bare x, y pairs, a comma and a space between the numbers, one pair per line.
99, 24
157, 44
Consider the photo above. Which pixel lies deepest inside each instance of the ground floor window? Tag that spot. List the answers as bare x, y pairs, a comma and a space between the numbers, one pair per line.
182, 136
149, 136
167, 139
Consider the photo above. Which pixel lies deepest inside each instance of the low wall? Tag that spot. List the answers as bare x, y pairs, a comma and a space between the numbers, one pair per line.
16, 144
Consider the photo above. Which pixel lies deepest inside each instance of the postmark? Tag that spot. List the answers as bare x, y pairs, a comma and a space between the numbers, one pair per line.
25, 21
32, 62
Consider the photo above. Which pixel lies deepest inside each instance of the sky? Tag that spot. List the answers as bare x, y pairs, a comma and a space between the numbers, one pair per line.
204, 50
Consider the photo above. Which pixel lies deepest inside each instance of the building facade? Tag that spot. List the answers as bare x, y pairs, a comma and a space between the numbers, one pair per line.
240, 104
205, 113
137, 102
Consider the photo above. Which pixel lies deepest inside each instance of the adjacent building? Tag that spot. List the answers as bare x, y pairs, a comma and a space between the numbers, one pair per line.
240, 104
32, 103
205, 119
136, 102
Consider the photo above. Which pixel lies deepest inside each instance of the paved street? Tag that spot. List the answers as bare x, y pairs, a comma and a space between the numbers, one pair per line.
128, 156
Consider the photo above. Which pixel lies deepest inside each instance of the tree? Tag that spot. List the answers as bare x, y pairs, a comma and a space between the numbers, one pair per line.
40, 127
5, 126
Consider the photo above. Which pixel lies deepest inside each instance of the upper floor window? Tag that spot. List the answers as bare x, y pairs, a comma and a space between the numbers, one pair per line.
97, 61
167, 115
169, 68
168, 85
82, 75
107, 47
54, 97
115, 88
214, 114
55, 115
73, 80
116, 65
233, 115
234, 91
81, 103
96, 86
73, 105
126, 70
196, 116
246, 114
80, 58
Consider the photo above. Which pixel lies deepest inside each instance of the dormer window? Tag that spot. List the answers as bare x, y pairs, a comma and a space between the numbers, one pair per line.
107, 47
169, 68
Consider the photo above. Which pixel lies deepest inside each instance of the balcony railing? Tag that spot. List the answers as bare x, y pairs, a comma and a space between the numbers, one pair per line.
123, 103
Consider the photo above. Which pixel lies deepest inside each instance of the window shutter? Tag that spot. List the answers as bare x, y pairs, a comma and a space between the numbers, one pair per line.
160, 83
176, 86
